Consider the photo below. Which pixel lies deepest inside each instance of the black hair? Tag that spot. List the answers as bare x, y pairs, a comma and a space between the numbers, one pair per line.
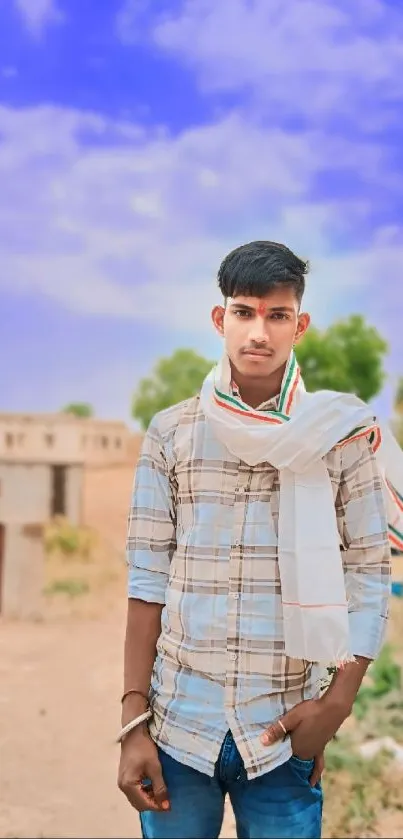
254, 269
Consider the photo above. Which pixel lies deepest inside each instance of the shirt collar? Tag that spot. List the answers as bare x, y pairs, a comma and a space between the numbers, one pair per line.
270, 405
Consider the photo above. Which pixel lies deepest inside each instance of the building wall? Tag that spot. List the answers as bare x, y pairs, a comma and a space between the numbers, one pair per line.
106, 502
61, 438
97, 496
27, 439
106, 497
74, 494
26, 492
103, 443
22, 572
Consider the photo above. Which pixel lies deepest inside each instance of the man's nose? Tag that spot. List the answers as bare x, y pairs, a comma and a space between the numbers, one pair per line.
259, 331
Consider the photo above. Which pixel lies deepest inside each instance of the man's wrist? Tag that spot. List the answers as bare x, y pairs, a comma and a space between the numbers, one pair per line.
341, 694
335, 703
137, 734
132, 706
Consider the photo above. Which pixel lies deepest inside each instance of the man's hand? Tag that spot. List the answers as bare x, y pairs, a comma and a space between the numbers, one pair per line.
139, 763
318, 769
310, 725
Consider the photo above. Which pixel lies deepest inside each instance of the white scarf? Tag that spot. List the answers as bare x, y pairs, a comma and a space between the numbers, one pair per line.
294, 439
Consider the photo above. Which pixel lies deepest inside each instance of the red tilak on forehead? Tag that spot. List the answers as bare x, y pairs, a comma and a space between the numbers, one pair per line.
262, 308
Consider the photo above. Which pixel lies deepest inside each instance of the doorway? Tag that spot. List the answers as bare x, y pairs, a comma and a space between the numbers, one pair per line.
58, 497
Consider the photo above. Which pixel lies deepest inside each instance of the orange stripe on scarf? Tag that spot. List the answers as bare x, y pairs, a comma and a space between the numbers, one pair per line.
293, 389
245, 413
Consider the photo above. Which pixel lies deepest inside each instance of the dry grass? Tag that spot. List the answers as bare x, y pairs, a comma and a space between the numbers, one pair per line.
361, 797
364, 798
83, 577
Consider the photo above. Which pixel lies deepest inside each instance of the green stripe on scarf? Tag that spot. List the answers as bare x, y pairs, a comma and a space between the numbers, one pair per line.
286, 383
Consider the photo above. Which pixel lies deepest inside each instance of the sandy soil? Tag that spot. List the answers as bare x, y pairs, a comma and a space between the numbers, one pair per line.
60, 683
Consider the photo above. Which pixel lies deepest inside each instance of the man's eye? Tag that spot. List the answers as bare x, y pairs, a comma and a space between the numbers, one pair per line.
242, 313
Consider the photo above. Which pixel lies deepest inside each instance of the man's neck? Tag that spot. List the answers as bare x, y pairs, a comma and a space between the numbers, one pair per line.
255, 392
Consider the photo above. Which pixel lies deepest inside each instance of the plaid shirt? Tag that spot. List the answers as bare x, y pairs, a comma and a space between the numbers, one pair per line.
202, 540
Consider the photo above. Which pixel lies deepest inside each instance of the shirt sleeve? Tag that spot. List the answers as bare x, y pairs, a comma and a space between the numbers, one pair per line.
363, 528
151, 539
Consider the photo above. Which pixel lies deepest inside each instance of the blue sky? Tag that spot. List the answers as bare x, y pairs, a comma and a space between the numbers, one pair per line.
141, 141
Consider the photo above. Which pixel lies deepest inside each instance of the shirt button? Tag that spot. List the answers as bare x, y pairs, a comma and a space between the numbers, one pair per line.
235, 595
232, 656
237, 544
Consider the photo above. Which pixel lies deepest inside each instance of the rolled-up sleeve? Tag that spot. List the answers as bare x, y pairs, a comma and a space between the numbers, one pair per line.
362, 521
151, 525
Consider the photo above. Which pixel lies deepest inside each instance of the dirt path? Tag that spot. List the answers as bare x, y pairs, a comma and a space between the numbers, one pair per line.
60, 683
59, 710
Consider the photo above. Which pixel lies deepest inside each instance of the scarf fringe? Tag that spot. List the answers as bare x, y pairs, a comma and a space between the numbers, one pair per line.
342, 663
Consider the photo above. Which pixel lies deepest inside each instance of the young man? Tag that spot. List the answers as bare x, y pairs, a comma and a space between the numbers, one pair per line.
257, 548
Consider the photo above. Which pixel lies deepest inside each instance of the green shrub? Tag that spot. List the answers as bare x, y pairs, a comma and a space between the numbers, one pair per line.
384, 677
62, 537
73, 587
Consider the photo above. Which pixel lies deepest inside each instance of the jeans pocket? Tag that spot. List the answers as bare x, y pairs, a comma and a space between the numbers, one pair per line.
304, 767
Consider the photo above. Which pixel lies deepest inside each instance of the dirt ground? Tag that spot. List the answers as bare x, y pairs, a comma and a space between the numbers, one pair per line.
60, 683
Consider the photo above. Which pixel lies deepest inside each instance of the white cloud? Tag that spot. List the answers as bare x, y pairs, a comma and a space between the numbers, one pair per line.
108, 220
8, 72
38, 14
131, 19
90, 224
316, 57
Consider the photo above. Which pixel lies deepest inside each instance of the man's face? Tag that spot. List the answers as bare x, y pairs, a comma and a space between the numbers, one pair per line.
259, 332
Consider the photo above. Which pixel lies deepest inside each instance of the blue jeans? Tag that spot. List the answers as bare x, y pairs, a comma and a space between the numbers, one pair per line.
280, 804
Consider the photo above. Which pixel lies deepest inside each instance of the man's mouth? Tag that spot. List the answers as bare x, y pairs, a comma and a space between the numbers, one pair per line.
259, 353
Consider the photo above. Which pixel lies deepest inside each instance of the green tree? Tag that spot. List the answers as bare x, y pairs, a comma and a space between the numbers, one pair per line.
79, 409
399, 398
398, 406
172, 380
348, 357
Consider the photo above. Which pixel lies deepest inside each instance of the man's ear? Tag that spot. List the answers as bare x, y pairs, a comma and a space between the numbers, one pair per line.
303, 324
217, 316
